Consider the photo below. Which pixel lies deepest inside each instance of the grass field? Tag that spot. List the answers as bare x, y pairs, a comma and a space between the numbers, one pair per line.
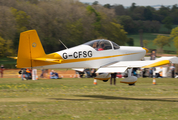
79, 99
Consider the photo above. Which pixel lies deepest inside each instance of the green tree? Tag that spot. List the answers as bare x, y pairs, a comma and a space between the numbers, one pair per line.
168, 22
107, 6
174, 32
127, 22
161, 41
95, 3
22, 23
133, 6
75, 32
5, 47
7, 23
145, 43
114, 32
130, 41
164, 11
174, 35
97, 23
22, 19
119, 10
148, 13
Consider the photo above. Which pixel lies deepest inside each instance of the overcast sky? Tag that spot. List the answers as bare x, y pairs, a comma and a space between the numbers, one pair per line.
138, 2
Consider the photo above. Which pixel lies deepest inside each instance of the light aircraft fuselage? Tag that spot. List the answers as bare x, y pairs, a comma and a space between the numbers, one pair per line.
85, 56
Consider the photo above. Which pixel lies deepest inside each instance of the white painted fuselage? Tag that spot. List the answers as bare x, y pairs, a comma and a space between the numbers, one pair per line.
84, 56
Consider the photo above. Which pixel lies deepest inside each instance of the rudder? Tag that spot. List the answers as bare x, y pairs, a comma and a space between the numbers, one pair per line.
29, 47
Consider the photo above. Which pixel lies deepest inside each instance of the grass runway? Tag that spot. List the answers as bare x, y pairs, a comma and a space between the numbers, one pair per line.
79, 99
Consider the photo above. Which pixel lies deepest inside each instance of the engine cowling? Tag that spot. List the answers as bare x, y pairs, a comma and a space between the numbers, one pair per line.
129, 80
103, 76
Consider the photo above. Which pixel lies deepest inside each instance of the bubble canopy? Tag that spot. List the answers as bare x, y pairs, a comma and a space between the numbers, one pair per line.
102, 44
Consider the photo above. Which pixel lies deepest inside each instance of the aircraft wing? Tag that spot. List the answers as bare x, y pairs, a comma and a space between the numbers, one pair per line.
121, 66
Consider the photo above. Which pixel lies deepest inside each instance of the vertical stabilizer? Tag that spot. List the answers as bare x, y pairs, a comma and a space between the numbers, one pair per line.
29, 47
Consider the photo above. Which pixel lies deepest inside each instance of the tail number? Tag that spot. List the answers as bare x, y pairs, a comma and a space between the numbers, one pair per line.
79, 54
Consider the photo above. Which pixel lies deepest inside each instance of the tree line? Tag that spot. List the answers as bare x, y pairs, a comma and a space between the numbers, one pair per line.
68, 20
74, 22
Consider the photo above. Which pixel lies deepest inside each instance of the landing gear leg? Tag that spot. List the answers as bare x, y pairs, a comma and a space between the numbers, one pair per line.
130, 74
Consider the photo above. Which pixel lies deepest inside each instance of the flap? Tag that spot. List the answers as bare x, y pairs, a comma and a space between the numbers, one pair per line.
78, 69
111, 69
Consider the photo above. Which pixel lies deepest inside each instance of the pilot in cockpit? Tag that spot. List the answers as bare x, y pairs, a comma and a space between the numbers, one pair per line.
95, 45
101, 46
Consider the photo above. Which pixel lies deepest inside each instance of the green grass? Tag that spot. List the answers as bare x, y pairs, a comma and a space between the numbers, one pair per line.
79, 99
150, 37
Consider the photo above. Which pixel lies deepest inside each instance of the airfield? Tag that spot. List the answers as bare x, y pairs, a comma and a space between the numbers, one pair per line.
79, 99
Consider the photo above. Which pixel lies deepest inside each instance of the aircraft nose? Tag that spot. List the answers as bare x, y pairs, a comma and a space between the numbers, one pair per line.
145, 49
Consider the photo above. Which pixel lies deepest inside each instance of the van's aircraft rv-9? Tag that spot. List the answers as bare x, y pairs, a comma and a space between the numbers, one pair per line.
112, 58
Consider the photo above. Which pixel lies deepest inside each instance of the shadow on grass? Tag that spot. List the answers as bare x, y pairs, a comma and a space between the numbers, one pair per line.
104, 97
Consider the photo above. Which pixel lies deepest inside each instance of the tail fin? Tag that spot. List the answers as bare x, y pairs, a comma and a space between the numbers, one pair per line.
29, 48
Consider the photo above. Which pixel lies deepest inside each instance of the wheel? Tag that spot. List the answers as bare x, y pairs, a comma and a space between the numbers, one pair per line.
132, 84
105, 80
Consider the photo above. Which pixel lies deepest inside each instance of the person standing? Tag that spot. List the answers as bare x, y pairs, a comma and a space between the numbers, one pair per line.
172, 68
93, 73
138, 71
113, 76
151, 73
153, 55
2, 70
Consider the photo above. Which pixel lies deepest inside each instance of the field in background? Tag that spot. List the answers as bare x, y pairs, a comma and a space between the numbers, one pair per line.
79, 99
150, 37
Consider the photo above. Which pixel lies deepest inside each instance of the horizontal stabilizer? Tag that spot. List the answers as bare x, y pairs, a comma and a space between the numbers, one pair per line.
50, 60
13, 57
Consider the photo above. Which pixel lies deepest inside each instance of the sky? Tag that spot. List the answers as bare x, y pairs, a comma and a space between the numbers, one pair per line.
138, 2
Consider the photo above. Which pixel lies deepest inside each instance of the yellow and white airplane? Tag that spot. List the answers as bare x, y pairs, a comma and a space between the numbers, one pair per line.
104, 55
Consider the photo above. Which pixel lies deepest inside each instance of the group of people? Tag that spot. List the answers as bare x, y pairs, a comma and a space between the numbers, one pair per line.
54, 75
26, 74
88, 73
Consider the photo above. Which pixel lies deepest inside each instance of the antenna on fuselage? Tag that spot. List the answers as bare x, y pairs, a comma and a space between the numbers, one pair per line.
63, 44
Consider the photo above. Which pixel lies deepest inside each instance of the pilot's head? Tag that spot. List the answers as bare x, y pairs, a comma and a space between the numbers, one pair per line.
101, 45
95, 45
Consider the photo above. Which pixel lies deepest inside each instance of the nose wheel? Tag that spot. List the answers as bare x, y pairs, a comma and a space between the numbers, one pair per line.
132, 84
105, 80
